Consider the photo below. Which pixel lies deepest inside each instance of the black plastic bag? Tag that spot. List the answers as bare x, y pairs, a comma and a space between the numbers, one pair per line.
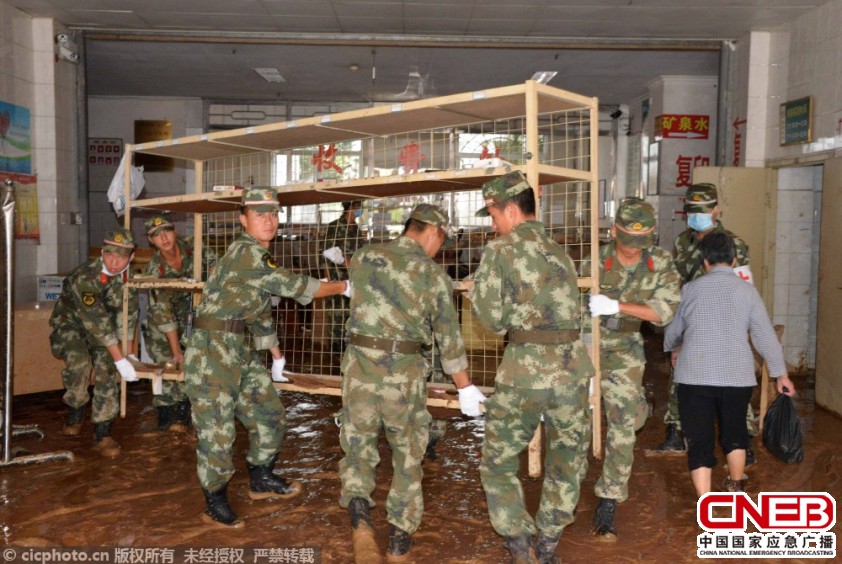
782, 431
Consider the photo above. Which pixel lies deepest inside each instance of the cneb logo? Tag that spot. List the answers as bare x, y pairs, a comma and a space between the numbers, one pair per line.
778, 511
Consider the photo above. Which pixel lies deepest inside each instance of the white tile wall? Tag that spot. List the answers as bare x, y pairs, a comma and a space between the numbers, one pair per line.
796, 272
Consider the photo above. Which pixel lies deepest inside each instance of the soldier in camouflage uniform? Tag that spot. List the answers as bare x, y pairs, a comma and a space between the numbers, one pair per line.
702, 208
341, 241
225, 375
637, 282
526, 287
401, 301
87, 324
170, 314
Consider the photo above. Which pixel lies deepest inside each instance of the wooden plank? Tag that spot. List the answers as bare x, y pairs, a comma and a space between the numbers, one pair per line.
387, 119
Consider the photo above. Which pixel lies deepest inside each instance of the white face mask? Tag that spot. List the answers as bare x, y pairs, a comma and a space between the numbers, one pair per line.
109, 274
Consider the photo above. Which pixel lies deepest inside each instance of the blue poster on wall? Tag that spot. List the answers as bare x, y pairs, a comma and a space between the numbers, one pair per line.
15, 144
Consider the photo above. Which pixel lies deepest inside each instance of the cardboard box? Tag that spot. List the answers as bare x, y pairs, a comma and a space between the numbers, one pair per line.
49, 287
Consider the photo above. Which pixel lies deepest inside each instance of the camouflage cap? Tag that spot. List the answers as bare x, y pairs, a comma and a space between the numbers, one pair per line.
156, 223
433, 215
635, 216
261, 198
700, 198
635, 223
497, 191
119, 241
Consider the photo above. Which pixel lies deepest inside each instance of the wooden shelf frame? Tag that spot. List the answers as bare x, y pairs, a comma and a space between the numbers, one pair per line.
525, 101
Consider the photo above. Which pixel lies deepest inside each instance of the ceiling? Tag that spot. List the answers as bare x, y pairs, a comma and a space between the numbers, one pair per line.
207, 48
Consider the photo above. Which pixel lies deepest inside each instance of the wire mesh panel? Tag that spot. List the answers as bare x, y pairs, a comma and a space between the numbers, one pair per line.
392, 169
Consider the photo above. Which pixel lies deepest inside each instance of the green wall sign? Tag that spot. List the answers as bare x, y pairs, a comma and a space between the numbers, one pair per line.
796, 122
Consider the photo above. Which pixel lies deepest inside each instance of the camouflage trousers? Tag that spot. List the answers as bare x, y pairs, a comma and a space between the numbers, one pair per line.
384, 392
226, 380
337, 315
673, 415
438, 427
159, 350
71, 345
626, 410
511, 417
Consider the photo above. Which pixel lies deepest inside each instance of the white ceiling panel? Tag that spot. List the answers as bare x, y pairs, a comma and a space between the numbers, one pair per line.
313, 42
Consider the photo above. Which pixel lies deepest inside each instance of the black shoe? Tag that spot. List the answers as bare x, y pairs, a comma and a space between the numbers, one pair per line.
359, 512
182, 413
431, 449
217, 509
400, 543
166, 416
264, 484
603, 519
545, 549
674, 441
751, 458
522, 550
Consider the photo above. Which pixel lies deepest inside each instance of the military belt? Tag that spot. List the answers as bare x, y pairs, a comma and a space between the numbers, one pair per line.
227, 325
621, 325
557, 337
385, 345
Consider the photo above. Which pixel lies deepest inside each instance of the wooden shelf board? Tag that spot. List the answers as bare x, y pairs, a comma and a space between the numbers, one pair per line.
384, 120
171, 283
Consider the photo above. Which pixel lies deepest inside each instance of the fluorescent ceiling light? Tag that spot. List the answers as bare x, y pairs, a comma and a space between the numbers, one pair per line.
543, 77
270, 74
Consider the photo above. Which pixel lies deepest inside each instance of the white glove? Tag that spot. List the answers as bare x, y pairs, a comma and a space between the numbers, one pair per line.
469, 399
334, 255
601, 304
347, 291
126, 370
278, 369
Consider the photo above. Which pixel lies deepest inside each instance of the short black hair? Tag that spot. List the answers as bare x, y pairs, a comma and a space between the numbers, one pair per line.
524, 200
718, 248
414, 225
347, 204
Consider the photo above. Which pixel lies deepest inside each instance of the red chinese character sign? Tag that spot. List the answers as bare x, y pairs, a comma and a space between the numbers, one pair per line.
410, 157
325, 159
686, 164
681, 126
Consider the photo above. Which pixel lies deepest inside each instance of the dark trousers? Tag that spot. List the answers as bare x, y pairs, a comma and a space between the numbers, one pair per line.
701, 407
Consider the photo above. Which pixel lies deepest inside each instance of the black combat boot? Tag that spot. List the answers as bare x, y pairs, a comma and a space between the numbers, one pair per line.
103, 442
674, 441
400, 543
73, 424
166, 413
430, 454
182, 413
264, 484
218, 511
523, 552
365, 547
545, 549
603, 518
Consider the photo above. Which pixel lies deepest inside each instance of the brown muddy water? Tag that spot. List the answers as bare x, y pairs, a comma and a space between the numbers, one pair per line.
149, 496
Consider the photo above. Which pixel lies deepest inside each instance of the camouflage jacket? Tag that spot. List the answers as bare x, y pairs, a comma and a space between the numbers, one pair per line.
346, 236
400, 293
525, 280
653, 282
688, 256
242, 284
169, 309
92, 301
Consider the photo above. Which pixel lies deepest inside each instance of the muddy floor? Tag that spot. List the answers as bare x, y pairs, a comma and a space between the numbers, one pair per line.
149, 497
